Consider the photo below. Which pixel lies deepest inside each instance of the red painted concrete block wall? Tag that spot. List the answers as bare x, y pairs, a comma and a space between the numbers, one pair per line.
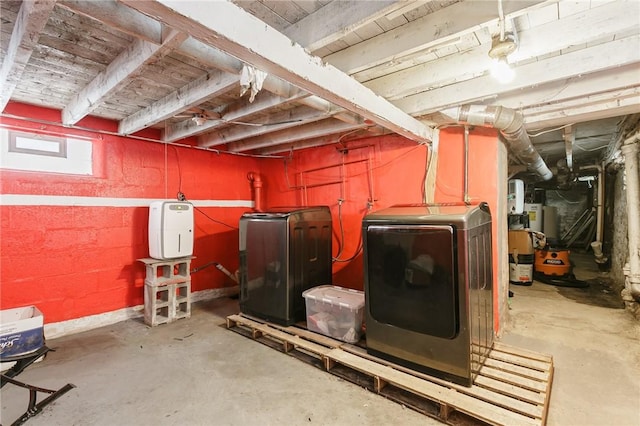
75, 261
389, 169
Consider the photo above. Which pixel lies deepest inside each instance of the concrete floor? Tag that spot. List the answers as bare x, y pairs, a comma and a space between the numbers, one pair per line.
195, 372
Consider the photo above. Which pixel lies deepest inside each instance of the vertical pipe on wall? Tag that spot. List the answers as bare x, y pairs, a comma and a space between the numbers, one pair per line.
630, 152
256, 183
466, 165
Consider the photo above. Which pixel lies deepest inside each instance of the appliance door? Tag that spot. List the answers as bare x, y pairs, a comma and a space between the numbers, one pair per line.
264, 267
412, 278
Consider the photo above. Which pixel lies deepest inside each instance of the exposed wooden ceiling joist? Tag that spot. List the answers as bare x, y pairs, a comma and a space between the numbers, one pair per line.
593, 59
110, 13
308, 131
532, 42
335, 20
238, 111
436, 29
267, 49
31, 20
276, 122
211, 84
118, 74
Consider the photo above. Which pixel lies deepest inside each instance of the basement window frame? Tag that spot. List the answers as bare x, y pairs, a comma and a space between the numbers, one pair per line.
68, 155
35, 138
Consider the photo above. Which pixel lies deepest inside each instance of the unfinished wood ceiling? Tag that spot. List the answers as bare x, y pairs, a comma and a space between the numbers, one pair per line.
323, 70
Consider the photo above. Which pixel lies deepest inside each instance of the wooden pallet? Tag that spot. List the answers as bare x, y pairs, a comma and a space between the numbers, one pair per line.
512, 388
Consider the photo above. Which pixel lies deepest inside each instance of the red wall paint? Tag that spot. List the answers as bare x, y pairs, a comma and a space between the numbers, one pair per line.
389, 169
398, 167
75, 261
78, 261
482, 185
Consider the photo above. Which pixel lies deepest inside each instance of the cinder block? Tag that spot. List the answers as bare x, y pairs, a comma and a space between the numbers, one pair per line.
167, 290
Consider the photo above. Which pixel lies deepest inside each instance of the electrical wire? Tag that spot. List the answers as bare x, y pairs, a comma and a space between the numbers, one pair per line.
182, 197
101, 133
341, 240
550, 130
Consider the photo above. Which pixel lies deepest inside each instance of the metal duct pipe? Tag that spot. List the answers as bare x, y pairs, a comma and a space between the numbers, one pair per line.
510, 123
630, 152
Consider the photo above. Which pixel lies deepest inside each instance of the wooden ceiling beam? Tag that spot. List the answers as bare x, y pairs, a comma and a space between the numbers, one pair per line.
117, 16
579, 63
438, 28
239, 110
244, 36
337, 19
214, 83
31, 19
118, 74
275, 122
608, 19
323, 140
314, 130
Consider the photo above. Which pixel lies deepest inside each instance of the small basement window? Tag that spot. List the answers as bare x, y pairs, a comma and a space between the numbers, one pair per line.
43, 153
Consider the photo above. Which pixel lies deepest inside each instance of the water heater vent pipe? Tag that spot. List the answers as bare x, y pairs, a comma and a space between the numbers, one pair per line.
510, 123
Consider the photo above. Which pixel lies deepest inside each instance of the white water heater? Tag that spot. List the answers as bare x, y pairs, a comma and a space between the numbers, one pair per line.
536, 216
515, 196
170, 229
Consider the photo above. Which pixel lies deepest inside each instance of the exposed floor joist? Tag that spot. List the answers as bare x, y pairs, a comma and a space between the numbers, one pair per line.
438, 28
31, 19
118, 74
579, 63
275, 122
211, 84
237, 111
227, 29
308, 131
532, 42
335, 20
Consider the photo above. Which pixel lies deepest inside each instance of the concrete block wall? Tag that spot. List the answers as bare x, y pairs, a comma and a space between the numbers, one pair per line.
79, 258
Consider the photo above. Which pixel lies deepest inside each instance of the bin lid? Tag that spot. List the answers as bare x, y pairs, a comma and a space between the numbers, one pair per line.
345, 297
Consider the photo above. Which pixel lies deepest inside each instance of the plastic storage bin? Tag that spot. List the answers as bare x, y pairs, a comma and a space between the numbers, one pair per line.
21, 331
335, 312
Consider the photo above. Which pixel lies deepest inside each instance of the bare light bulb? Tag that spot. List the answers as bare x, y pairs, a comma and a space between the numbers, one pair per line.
502, 71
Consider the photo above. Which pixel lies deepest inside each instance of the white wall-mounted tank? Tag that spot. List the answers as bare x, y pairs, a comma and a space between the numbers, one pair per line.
170, 229
515, 196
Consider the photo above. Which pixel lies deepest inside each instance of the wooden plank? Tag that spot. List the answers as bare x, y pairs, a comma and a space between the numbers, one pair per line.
117, 16
506, 397
499, 346
534, 42
523, 362
497, 397
513, 379
310, 335
446, 25
209, 85
517, 392
117, 75
335, 20
327, 126
601, 57
545, 413
29, 23
244, 36
479, 409
280, 335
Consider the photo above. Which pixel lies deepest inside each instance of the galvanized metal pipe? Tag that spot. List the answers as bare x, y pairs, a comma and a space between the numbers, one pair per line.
510, 123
